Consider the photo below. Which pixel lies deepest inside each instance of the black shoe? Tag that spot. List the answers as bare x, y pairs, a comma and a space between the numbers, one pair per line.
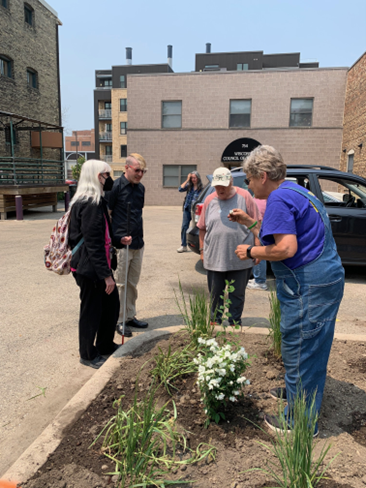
95, 363
119, 330
278, 393
278, 425
139, 324
111, 351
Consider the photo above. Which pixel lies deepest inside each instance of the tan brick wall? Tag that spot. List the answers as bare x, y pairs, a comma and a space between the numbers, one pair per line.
354, 132
117, 117
204, 148
205, 119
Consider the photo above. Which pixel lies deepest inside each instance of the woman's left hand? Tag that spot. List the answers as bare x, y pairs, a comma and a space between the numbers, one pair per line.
241, 251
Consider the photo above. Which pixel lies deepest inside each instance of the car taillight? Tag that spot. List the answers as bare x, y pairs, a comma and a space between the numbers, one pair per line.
198, 212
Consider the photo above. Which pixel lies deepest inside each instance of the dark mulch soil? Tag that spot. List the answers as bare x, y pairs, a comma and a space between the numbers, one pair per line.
75, 465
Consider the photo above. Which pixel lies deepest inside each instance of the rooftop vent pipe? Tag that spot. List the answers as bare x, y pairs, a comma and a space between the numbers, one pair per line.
208, 47
128, 55
170, 55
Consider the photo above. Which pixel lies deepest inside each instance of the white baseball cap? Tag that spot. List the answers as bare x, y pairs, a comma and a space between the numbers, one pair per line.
221, 176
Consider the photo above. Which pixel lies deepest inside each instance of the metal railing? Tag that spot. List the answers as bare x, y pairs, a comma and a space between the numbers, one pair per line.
105, 136
105, 114
107, 158
30, 171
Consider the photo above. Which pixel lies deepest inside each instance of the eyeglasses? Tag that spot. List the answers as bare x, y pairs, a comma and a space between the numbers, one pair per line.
247, 181
143, 171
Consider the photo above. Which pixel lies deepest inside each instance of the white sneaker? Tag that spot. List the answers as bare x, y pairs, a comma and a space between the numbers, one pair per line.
256, 286
182, 249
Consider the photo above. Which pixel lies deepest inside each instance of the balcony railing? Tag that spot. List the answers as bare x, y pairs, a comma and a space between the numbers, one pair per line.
105, 136
105, 114
107, 158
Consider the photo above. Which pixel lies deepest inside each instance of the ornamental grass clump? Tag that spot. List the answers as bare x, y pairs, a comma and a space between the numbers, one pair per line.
220, 376
274, 329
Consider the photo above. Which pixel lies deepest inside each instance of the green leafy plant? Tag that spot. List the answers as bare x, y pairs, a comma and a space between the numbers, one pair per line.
169, 366
145, 444
196, 314
220, 379
76, 169
274, 329
294, 447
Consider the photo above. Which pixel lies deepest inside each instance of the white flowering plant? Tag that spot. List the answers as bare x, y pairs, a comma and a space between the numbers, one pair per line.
220, 376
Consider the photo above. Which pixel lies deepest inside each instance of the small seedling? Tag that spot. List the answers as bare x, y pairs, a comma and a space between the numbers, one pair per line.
43, 392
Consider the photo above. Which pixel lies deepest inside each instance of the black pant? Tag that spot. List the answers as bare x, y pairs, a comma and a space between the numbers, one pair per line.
216, 286
98, 317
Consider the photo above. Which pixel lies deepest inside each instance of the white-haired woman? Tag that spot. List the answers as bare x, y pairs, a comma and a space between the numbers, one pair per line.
297, 238
91, 264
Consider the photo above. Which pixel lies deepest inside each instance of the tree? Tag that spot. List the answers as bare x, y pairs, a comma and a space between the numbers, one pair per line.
77, 168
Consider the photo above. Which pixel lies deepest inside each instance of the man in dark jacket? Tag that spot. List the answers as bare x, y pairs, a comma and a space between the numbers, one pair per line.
128, 189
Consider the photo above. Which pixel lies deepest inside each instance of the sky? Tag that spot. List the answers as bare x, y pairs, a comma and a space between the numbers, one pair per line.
94, 36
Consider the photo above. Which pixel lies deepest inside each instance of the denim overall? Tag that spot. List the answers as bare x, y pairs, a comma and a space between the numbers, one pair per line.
310, 297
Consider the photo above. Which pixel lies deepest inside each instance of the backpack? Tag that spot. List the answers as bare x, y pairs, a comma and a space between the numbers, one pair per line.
57, 253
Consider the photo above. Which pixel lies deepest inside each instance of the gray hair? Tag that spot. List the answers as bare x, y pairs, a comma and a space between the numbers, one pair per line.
265, 159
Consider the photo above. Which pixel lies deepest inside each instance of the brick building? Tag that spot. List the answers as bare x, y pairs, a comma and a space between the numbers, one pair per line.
186, 121
81, 143
110, 109
353, 156
31, 145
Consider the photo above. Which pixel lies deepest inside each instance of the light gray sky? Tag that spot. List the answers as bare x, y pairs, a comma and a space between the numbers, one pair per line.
94, 35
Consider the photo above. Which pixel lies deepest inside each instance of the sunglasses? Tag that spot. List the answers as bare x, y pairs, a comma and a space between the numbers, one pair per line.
106, 175
142, 171
247, 181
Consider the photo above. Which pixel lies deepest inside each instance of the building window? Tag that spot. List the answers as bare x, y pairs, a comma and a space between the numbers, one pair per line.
123, 105
175, 175
107, 82
242, 66
108, 127
5, 3
240, 113
74, 143
122, 81
6, 67
28, 14
123, 128
124, 151
117, 174
107, 105
8, 135
108, 150
301, 114
350, 163
32, 78
85, 143
172, 115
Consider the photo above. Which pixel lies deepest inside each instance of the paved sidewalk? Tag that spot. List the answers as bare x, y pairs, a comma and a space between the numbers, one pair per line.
39, 317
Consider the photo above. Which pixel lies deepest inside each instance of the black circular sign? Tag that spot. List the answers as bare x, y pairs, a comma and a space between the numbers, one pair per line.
238, 150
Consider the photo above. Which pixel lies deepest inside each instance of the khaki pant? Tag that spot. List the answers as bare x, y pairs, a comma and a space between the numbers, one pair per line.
133, 276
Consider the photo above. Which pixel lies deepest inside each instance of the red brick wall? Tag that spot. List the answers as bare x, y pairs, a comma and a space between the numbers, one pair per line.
354, 131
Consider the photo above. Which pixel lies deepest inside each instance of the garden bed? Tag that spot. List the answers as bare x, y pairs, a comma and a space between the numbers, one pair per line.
342, 423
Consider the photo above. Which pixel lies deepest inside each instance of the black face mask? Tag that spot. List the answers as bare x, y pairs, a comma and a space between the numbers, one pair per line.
108, 184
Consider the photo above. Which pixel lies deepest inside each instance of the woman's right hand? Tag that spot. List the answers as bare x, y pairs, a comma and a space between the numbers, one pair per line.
126, 241
238, 215
201, 256
109, 285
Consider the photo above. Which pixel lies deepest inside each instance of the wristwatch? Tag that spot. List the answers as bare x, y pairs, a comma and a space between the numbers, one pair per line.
249, 255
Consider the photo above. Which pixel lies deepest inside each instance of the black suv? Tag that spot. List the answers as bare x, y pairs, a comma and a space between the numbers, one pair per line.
344, 197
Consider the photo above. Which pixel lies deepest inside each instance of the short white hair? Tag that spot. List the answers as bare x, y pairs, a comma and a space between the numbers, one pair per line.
265, 159
89, 186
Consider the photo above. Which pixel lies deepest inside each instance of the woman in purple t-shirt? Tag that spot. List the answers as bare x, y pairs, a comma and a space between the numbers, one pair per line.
297, 238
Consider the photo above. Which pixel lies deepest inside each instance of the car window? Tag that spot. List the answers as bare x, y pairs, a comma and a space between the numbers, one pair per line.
301, 180
342, 191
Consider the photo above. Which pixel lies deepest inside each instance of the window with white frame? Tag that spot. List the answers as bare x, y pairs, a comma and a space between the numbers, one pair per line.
174, 175
240, 113
171, 114
350, 159
301, 112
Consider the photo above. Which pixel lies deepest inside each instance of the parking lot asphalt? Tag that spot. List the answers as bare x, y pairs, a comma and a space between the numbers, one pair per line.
40, 369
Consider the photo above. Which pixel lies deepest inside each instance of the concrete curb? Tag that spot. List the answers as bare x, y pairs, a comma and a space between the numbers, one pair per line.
37, 453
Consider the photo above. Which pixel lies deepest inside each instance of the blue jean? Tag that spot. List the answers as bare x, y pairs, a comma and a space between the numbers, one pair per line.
185, 226
309, 297
259, 272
